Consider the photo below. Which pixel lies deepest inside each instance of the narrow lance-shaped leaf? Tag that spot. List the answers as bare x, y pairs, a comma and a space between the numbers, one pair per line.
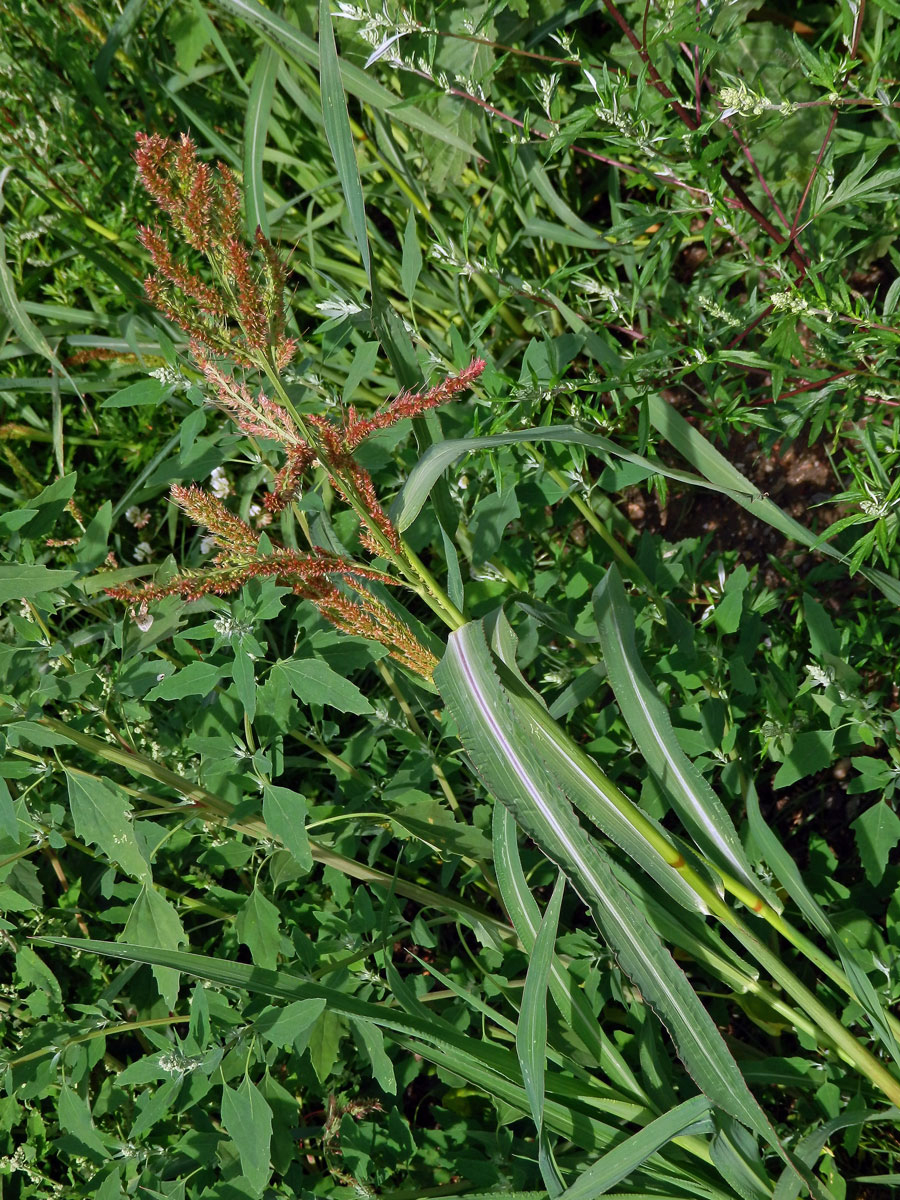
720, 473
786, 872
615, 1165
700, 810
294, 45
486, 1065
256, 125
501, 750
599, 798
634, 831
23, 325
570, 1000
531, 1032
337, 130
437, 458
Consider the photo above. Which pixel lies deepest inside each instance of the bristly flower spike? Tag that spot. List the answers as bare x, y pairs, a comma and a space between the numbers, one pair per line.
243, 316
408, 404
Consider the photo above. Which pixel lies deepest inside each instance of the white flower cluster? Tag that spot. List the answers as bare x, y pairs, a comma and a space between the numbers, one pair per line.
716, 310
171, 377
228, 626
450, 257
219, 483
788, 302
174, 1063
742, 101
338, 308
134, 516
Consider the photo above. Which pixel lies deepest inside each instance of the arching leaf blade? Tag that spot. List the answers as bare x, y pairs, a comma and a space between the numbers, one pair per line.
502, 753
701, 811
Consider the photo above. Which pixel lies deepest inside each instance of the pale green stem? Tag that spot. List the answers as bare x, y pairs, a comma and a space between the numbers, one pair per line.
865, 1062
106, 1031
409, 565
599, 527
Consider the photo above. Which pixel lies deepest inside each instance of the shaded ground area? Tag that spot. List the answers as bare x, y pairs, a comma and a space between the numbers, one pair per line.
797, 478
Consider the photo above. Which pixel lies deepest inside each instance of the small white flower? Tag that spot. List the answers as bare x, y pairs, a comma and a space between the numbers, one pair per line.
135, 517
338, 308
788, 302
741, 100
219, 483
143, 552
171, 377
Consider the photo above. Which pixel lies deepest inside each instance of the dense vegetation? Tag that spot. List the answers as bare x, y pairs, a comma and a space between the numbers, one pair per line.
448, 643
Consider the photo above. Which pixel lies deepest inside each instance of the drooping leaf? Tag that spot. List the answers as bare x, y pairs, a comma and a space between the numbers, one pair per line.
437, 458
294, 45
340, 138
75, 1118
102, 817
257, 927
502, 752
284, 812
700, 810
154, 922
877, 832
531, 1031
689, 1116
372, 1041
256, 126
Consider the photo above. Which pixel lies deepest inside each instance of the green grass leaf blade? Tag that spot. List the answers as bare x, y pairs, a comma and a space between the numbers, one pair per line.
288, 40
436, 460
600, 800
22, 324
568, 997
121, 30
700, 810
256, 125
531, 1031
502, 752
483, 1063
788, 875
688, 1117
718, 471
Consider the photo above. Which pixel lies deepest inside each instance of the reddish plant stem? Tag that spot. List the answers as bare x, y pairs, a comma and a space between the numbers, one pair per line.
665, 91
655, 78
469, 37
740, 337
696, 60
693, 54
644, 27
811, 386
854, 43
813, 173
881, 400
496, 112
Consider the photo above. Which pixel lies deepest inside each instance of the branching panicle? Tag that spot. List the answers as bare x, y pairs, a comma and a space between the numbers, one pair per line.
241, 317
204, 208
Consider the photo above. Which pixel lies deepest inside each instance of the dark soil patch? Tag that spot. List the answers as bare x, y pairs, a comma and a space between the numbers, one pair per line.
797, 478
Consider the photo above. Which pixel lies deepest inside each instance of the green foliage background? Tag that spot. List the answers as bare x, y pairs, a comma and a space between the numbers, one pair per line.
242, 782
